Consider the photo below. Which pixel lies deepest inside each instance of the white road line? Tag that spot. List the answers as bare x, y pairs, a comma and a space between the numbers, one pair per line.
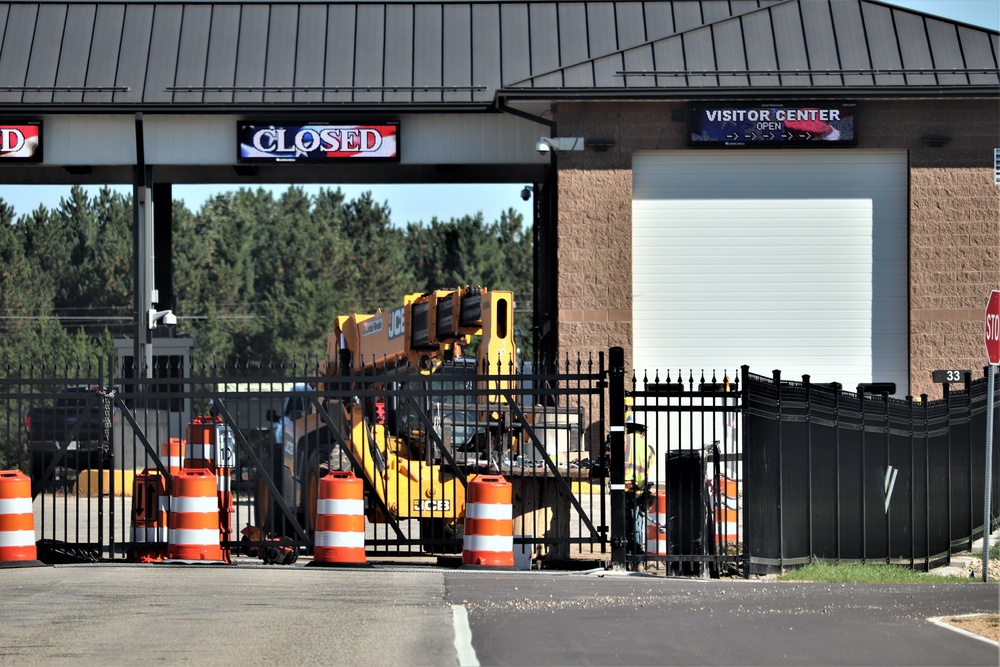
463, 637
939, 621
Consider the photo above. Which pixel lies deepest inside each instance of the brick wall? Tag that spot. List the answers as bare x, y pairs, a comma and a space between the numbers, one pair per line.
954, 222
954, 263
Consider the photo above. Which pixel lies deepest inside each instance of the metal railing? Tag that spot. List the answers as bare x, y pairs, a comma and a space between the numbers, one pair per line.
543, 432
749, 474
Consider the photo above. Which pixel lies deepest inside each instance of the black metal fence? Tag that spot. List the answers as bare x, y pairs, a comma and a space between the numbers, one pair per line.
841, 476
749, 474
692, 523
543, 433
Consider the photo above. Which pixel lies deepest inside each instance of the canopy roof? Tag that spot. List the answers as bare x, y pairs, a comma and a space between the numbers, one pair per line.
408, 56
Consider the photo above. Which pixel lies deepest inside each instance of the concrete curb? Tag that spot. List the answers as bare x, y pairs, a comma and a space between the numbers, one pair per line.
959, 563
941, 622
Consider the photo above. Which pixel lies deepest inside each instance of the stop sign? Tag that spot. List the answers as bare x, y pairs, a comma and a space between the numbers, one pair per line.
993, 327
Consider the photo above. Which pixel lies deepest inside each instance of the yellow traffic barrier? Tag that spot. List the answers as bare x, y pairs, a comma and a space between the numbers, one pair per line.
88, 482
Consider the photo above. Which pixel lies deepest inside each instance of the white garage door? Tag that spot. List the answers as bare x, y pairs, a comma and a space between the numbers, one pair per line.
790, 260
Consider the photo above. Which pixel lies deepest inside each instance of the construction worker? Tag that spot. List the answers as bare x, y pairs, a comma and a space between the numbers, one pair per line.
639, 459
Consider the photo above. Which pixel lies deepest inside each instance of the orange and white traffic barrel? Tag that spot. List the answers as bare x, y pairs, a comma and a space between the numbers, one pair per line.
203, 436
489, 523
340, 520
172, 455
211, 446
194, 517
727, 507
150, 507
17, 520
656, 526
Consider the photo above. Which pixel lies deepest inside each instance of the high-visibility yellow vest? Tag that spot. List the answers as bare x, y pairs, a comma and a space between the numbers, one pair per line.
639, 458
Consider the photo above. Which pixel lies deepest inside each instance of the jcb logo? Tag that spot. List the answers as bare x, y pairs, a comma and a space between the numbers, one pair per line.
397, 322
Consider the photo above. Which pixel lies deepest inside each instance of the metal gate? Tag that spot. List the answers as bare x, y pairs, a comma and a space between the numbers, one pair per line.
542, 430
690, 512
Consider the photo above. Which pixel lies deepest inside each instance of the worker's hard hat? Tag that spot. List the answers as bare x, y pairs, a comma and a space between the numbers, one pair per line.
631, 423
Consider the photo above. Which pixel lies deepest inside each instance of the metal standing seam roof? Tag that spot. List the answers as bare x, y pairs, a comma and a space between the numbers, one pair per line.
238, 56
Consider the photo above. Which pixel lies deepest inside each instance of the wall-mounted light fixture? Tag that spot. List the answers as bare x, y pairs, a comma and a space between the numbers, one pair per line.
546, 145
877, 388
936, 140
600, 145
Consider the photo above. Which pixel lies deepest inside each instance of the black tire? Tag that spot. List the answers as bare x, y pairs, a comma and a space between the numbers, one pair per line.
269, 515
39, 462
263, 505
317, 471
439, 529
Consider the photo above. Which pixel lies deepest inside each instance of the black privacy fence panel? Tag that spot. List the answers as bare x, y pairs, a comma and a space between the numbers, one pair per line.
842, 476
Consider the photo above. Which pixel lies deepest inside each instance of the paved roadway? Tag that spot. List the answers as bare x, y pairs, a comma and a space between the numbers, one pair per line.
249, 614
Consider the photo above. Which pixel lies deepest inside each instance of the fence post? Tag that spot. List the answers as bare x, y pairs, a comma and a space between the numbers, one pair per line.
836, 428
888, 454
809, 469
745, 466
864, 479
616, 396
925, 423
776, 376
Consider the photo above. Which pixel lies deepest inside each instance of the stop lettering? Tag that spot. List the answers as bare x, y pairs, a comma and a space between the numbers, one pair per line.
993, 327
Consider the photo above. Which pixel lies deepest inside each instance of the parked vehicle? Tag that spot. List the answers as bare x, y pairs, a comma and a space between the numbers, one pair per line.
73, 431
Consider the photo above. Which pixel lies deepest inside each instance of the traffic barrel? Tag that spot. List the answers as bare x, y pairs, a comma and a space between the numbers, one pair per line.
203, 436
727, 507
172, 455
340, 520
150, 505
489, 523
210, 447
656, 526
17, 520
194, 517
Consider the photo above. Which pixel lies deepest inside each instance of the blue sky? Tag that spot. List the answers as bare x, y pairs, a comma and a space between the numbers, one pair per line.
412, 203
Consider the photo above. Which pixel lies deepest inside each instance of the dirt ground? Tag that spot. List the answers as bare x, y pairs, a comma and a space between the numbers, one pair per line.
986, 625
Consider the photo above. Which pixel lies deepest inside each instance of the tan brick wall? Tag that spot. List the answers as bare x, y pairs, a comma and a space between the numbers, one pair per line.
954, 221
954, 263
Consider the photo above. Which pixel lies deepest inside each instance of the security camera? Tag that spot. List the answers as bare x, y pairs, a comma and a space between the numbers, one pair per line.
166, 316
526, 193
546, 145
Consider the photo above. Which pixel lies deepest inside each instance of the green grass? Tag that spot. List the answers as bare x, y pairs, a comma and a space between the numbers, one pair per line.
867, 574
995, 551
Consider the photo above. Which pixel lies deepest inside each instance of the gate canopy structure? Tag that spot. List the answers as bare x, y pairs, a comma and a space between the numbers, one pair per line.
556, 94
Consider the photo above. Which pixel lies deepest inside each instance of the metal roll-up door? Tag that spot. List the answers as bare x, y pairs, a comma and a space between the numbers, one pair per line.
790, 260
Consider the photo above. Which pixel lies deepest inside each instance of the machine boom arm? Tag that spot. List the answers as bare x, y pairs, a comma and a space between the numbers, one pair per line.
427, 329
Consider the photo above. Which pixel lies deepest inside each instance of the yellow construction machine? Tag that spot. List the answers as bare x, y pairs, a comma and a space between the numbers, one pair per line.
398, 404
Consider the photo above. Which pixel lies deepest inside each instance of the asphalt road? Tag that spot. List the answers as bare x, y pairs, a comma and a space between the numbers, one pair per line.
244, 614
640, 620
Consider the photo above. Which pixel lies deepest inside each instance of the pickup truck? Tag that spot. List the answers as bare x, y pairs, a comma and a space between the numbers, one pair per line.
73, 424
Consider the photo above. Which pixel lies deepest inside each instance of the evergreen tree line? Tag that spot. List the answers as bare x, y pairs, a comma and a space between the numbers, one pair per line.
255, 276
